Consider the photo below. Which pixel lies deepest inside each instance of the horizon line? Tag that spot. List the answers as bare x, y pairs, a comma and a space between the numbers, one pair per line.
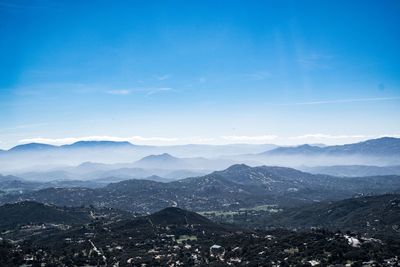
316, 143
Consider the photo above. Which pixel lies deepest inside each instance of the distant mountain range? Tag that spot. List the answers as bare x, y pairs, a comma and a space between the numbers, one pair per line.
385, 146
32, 147
36, 157
180, 149
164, 158
169, 162
7, 178
100, 155
164, 165
354, 170
108, 175
76, 145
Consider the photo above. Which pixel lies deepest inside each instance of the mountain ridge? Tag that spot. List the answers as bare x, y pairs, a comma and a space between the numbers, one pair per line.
384, 146
239, 186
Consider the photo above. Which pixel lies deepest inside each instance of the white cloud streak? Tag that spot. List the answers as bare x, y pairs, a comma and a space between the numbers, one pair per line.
326, 136
158, 90
389, 135
315, 61
243, 138
146, 91
231, 139
119, 92
261, 75
163, 77
339, 101
199, 140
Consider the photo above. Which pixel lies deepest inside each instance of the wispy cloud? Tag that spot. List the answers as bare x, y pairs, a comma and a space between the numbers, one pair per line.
327, 136
389, 135
119, 92
147, 91
339, 101
163, 77
315, 61
330, 139
261, 75
198, 140
311, 138
254, 138
158, 139
158, 90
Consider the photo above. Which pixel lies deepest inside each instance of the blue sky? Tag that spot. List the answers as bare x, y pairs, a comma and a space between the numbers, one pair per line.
176, 72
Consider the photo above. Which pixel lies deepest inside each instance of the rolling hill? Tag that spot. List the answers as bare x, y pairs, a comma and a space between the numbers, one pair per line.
27, 212
173, 235
373, 214
239, 186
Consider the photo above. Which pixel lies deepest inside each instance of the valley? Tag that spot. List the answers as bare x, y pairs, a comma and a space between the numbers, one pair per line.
242, 215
